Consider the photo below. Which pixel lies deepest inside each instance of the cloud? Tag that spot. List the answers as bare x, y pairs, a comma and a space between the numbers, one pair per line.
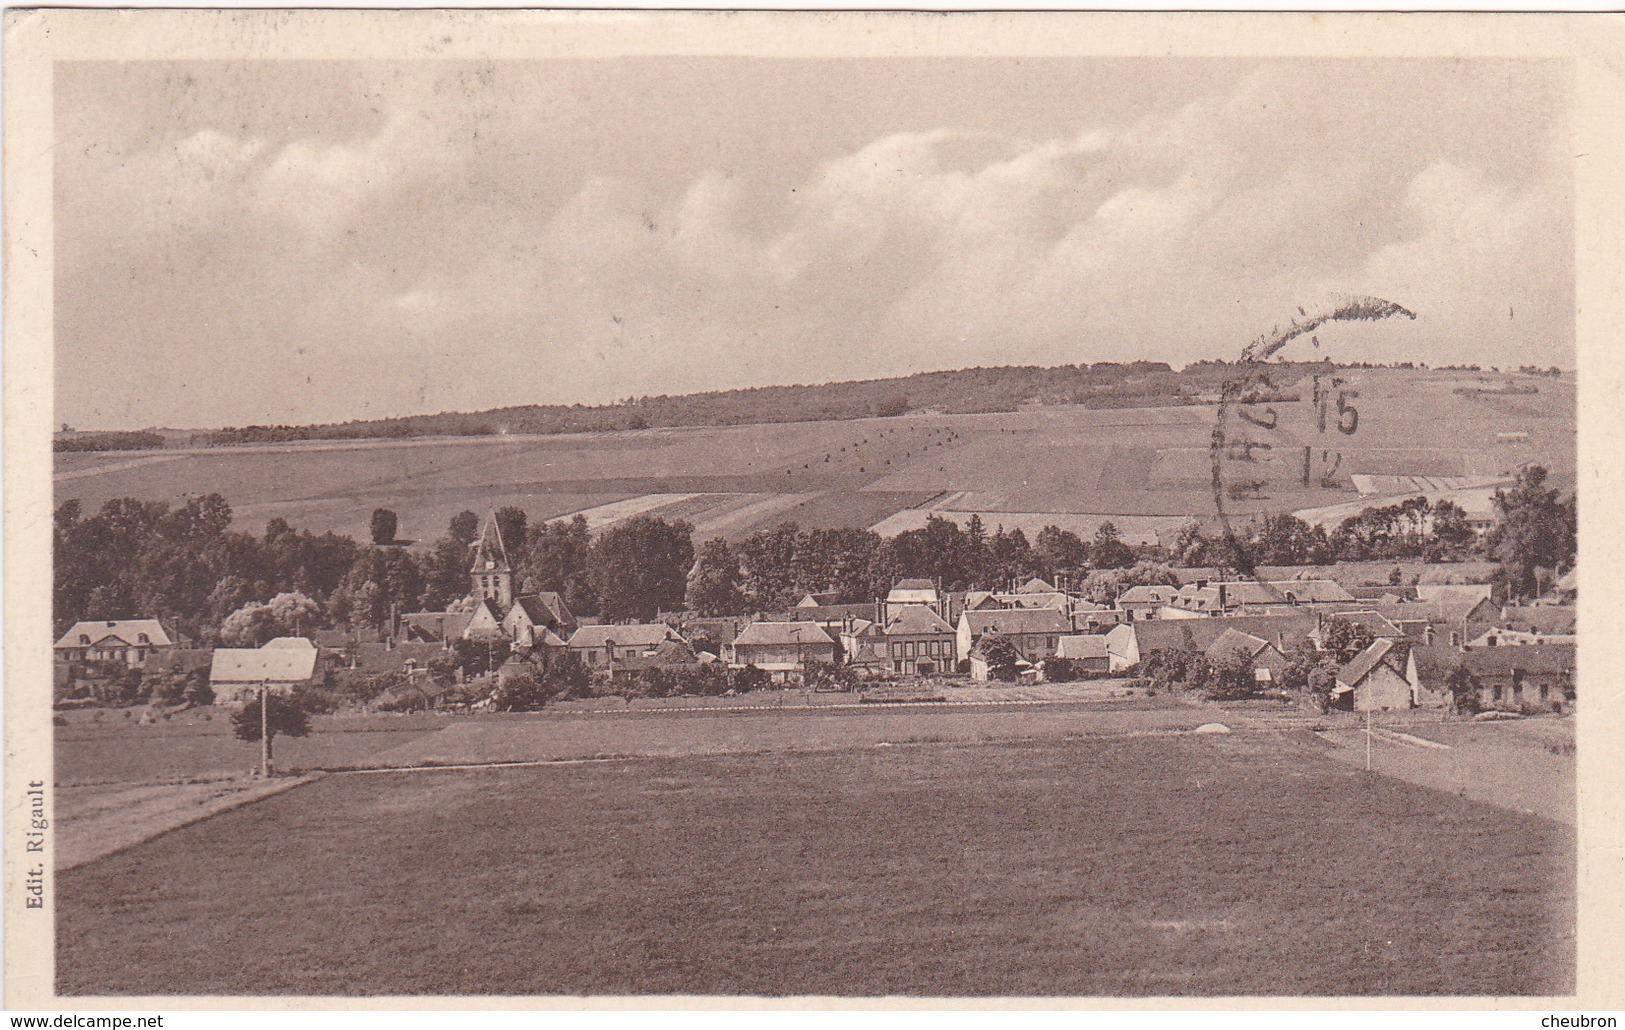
427, 232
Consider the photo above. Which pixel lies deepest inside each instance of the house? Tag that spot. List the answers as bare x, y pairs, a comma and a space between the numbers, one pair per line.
977, 600
1143, 602
831, 617
491, 611
1385, 594
177, 662
667, 654
130, 641
863, 644
1370, 621
1097, 619
420, 691
603, 647
981, 670
1376, 680
1035, 632
1217, 598
1057, 600
820, 599
1132, 642
713, 633
342, 639
1429, 622
539, 620
782, 647
1429, 669
1266, 660
911, 591
1532, 677
1567, 588
1087, 652
1035, 593
380, 659
238, 673
435, 627
484, 622
298, 643
1536, 624
919, 642
1473, 592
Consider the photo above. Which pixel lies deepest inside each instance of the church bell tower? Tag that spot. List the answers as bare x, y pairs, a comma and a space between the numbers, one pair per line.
491, 577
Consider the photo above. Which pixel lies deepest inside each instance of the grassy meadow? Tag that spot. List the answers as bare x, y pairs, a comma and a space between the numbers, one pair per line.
1241, 865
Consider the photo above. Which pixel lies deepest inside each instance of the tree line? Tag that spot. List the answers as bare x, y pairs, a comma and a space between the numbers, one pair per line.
188, 565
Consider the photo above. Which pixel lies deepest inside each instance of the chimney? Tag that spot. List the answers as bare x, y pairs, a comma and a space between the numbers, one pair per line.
1221, 597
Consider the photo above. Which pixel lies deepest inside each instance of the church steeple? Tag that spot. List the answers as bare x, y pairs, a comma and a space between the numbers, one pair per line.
491, 577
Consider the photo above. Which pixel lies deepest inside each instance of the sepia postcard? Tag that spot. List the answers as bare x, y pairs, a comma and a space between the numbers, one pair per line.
554, 509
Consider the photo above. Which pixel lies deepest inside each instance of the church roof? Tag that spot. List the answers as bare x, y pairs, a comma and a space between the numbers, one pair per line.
490, 553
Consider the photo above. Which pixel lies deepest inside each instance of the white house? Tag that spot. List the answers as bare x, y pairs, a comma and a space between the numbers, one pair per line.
131, 641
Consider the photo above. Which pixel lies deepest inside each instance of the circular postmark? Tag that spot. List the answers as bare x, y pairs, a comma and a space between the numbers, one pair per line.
1266, 439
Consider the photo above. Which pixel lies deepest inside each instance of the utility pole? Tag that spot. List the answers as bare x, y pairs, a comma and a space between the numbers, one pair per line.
1368, 740
265, 730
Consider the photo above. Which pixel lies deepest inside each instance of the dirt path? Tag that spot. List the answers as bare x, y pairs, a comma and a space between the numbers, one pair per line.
1502, 764
97, 821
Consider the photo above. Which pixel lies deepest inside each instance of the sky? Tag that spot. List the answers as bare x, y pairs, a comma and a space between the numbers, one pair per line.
292, 242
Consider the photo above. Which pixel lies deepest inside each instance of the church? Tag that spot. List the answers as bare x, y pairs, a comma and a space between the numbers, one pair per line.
491, 611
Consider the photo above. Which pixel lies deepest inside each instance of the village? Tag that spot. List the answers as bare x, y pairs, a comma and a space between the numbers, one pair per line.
1302, 638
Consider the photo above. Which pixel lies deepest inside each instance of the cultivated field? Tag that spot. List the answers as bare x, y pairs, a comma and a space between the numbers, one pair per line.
1145, 468
1240, 865
120, 751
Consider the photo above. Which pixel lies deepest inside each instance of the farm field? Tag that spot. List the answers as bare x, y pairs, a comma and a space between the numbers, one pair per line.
1071, 466
122, 752
117, 750
1241, 865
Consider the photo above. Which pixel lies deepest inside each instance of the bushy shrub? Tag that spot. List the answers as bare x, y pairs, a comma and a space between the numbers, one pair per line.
749, 678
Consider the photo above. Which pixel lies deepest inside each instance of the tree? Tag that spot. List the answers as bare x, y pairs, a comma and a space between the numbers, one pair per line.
1463, 691
523, 692
1286, 540
478, 657
563, 672
199, 520
285, 614
1190, 547
713, 583
284, 716
556, 558
511, 523
1001, 657
1301, 659
464, 527
1010, 556
1453, 538
639, 567
383, 526
1533, 530
1060, 550
1343, 638
198, 692
767, 564
749, 678
1104, 585
1108, 550
1230, 678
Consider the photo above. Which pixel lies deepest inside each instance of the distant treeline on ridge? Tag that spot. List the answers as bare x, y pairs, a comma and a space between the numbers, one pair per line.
1133, 384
